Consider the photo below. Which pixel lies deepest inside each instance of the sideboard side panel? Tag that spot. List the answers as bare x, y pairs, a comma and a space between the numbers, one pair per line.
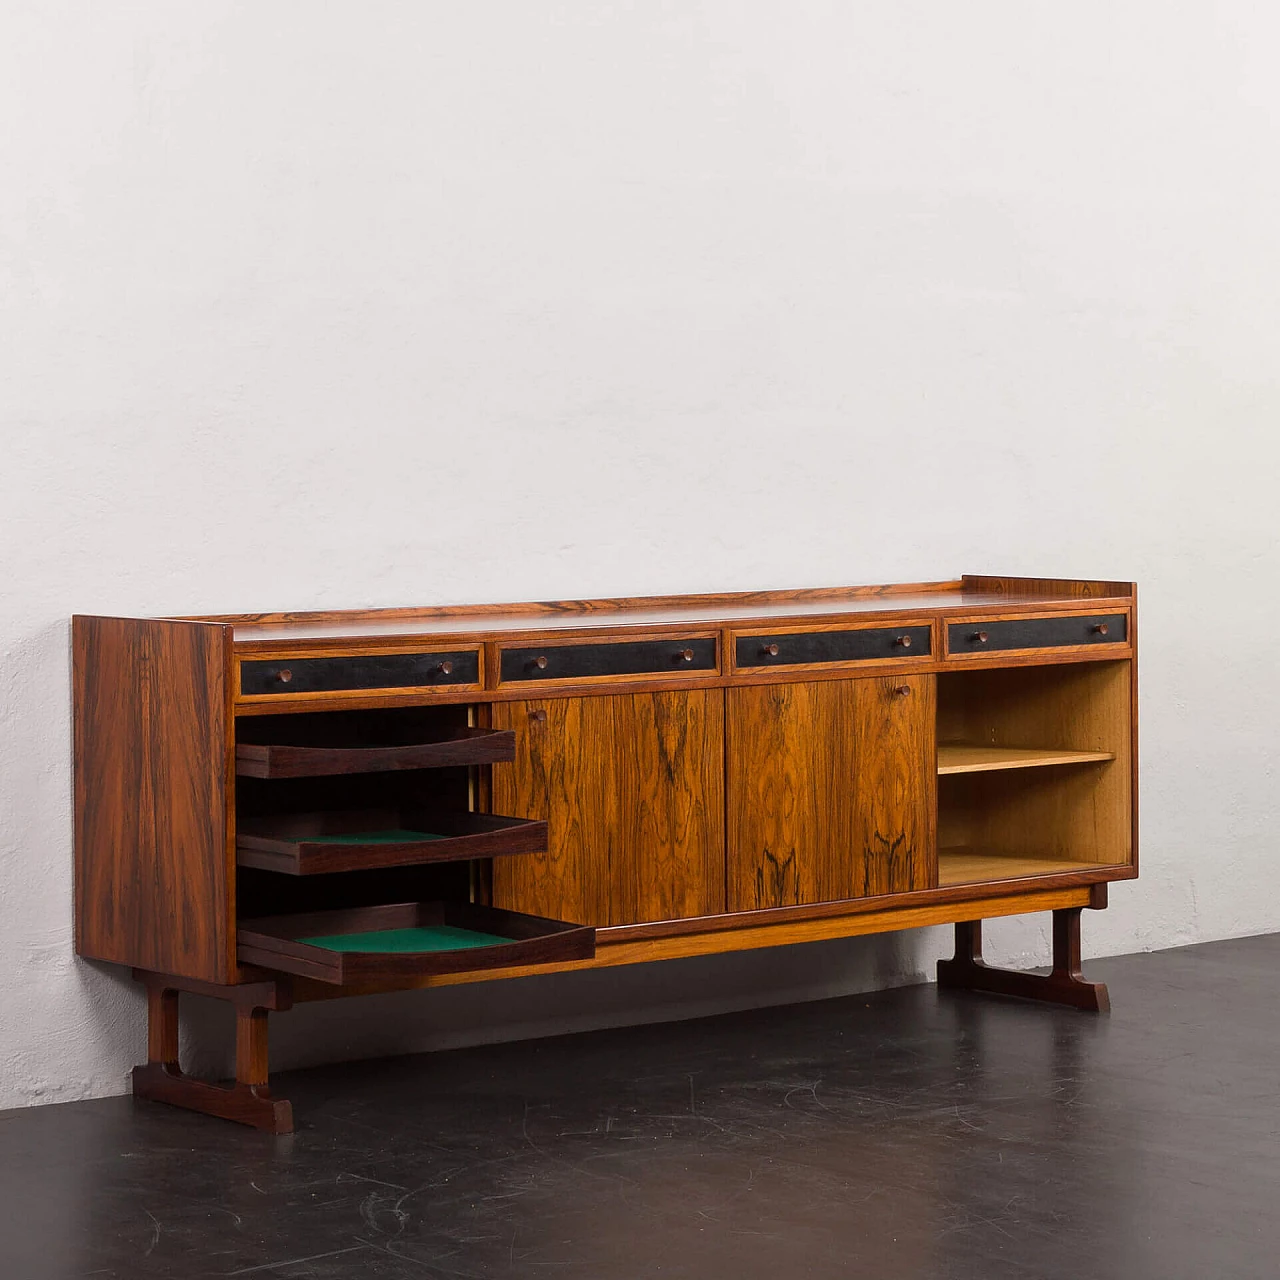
152, 775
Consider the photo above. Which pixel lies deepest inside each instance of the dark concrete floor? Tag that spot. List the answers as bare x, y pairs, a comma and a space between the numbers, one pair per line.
907, 1134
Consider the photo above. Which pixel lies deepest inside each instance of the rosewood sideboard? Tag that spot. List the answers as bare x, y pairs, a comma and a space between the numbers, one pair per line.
274, 808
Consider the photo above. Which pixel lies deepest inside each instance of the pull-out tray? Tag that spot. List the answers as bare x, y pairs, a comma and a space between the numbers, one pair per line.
304, 844
318, 759
410, 939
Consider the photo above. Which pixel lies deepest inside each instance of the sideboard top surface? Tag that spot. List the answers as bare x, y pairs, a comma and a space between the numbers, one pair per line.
956, 597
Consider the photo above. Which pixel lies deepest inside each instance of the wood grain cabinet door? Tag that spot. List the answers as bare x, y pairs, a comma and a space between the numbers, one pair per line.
831, 790
632, 790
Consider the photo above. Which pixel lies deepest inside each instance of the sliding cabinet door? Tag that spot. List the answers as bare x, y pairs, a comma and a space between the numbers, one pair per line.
831, 790
632, 789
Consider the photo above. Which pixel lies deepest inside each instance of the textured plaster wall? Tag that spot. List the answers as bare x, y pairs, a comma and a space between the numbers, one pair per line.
333, 305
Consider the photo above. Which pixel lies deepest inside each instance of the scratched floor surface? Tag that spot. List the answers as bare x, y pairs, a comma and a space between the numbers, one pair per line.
905, 1135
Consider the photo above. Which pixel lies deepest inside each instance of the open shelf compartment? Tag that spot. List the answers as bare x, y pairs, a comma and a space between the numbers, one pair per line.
314, 749
302, 844
1034, 772
405, 940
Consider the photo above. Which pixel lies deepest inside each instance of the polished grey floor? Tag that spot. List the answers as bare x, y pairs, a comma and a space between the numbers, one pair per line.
908, 1134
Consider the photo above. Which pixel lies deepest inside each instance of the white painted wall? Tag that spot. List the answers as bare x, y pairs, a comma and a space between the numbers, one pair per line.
334, 305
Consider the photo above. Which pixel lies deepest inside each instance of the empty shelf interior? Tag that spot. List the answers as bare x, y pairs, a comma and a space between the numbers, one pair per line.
1034, 771
969, 758
976, 866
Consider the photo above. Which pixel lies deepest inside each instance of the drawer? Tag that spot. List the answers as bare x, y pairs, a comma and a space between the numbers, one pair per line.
681, 655
1058, 632
814, 648
357, 672
408, 940
328, 841
325, 754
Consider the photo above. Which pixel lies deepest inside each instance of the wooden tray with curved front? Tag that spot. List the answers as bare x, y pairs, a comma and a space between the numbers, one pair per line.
304, 844
367, 944
466, 746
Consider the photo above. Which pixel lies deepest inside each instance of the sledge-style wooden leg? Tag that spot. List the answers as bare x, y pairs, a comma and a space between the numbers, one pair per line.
248, 1100
1065, 985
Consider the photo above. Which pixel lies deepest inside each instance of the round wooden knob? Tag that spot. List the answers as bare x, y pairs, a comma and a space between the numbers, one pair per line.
538, 717
903, 690
686, 654
1100, 628
904, 641
540, 662
771, 650
979, 636
284, 675
445, 668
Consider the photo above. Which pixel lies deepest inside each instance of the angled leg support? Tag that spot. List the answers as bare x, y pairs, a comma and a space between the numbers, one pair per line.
1064, 985
248, 1100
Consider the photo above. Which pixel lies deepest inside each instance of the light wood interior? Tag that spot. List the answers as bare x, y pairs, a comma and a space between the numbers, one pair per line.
977, 866
1074, 715
964, 758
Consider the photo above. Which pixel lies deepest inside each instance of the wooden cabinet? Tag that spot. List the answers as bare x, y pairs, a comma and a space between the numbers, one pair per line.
631, 787
830, 787
273, 808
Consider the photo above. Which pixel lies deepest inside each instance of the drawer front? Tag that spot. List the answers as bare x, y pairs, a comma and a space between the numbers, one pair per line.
360, 671
625, 658
1036, 633
814, 647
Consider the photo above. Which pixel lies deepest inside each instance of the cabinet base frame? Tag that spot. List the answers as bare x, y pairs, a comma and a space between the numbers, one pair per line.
248, 1100
1065, 984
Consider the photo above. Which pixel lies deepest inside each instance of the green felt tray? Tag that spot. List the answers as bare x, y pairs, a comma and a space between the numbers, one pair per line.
435, 937
372, 837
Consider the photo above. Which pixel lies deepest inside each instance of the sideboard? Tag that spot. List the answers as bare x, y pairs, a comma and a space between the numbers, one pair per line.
274, 808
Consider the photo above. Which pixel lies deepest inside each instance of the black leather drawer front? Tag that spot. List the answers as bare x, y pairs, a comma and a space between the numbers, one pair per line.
625, 658
363, 671
832, 646
1036, 633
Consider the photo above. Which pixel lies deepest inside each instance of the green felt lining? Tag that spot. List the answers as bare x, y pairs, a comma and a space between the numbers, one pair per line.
372, 837
434, 937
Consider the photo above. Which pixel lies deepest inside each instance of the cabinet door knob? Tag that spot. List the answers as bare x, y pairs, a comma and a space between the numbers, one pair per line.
685, 654
903, 690
540, 662
1100, 628
538, 717
284, 675
979, 636
445, 668
770, 650
904, 641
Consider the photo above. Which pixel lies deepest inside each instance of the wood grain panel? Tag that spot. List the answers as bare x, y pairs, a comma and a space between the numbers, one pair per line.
631, 788
152, 775
1076, 588
830, 790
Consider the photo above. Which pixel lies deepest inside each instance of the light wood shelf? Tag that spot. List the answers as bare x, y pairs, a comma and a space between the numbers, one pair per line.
964, 758
966, 865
